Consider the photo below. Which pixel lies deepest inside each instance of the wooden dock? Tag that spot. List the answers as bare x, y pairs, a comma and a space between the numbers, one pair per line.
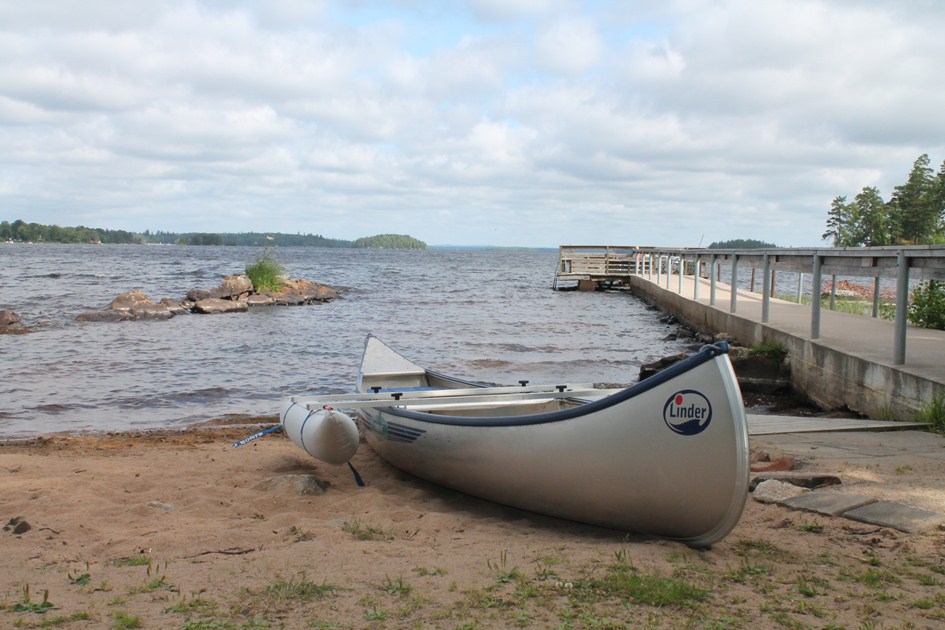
591, 267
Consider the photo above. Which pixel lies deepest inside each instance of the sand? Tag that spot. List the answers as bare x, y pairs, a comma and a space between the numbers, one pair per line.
179, 530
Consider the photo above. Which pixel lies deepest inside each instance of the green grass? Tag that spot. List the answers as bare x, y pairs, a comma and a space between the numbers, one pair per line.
296, 589
133, 561
773, 350
28, 605
625, 583
265, 273
933, 413
125, 621
362, 531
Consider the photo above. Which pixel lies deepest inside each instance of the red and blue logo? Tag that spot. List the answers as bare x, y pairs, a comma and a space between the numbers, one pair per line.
687, 412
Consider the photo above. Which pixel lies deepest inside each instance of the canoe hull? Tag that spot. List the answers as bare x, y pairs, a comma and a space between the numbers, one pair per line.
670, 461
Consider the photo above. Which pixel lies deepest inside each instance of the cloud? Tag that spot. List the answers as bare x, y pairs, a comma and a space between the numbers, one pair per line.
647, 122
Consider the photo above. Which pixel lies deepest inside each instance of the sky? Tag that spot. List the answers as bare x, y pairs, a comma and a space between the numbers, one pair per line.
531, 123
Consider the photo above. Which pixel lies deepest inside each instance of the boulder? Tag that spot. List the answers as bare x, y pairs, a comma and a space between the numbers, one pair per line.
259, 300
301, 291
10, 323
139, 306
104, 316
232, 287
175, 307
659, 365
195, 295
213, 306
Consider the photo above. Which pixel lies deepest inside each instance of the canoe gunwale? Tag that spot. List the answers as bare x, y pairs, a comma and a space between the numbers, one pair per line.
705, 354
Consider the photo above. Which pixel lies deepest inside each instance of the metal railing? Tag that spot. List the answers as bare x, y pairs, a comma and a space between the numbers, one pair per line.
900, 264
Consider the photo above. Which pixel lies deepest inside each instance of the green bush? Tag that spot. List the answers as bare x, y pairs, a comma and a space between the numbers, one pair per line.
927, 305
266, 273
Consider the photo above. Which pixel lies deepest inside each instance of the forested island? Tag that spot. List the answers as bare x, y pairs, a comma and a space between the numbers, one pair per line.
19, 230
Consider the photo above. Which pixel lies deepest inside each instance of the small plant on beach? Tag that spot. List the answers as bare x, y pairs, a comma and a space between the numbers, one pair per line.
265, 273
398, 587
503, 574
298, 588
623, 582
28, 605
124, 620
366, 532
134, 561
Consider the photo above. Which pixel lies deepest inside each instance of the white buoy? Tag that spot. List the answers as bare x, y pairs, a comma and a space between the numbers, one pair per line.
326, 434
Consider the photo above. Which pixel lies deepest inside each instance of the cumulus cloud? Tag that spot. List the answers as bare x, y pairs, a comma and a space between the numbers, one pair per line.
646, 122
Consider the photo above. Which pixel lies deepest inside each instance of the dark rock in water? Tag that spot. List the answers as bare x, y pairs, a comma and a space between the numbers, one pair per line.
213, 306
300, 291
104, 316
129, 305
659, 365
175, 307
232, 287
196, 295
10, 323
259, 300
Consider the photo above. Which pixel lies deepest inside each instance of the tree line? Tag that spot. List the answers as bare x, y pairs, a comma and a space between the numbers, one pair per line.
20, 230
914, 213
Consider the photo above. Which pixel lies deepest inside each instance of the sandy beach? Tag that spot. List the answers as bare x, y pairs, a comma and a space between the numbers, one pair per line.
180, 530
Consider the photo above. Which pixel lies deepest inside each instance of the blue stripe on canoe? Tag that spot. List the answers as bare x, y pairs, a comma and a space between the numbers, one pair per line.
401, 433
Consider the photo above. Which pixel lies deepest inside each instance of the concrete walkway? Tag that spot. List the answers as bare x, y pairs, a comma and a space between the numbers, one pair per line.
850, 363
864, 337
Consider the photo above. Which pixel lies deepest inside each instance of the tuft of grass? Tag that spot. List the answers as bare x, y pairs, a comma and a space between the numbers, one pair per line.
398, 587
296, 589
134, 561
366, 532
503, 574
773, 350
265, 273
28, 605
933, 413
125, 621
623, 582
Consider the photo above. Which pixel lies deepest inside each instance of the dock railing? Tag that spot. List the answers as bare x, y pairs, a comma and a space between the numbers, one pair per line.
898, 264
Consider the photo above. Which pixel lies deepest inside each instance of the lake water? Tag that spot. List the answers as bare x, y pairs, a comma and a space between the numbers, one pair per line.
485, 316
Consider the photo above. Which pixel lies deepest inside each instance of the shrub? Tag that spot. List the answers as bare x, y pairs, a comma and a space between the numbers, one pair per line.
927, 305
934, 413
266, 273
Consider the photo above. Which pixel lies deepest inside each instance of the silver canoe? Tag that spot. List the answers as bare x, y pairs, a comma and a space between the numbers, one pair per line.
667, 456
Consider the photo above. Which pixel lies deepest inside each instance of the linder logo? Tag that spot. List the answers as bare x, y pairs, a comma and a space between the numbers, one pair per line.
687, 412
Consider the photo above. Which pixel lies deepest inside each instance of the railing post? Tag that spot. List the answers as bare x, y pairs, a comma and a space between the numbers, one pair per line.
833, 292
876, 297
734, 300
902, 305
766, 291
712, 280
682, 268
815, 298
800, 286
695, 278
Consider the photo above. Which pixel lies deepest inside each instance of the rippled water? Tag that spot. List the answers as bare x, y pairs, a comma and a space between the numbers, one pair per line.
485, 316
